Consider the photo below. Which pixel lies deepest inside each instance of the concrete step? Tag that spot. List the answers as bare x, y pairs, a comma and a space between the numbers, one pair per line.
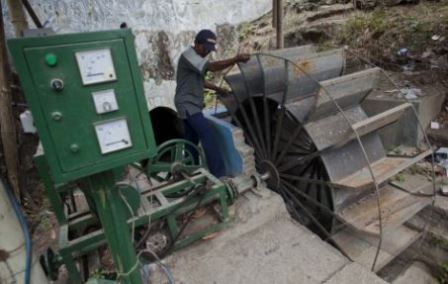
237, 135
383, 169
262, 245
417, 273
244, 149
354, 273
397, 206
249, 162
362, 248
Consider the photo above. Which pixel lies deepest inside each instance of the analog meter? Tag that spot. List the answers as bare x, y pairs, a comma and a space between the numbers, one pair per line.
113, 135
96, 66
105, 101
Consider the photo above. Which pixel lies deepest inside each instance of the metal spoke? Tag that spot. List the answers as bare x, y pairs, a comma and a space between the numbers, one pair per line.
315, 221
313, 172
293, 155
178, 152
250, 139
248, 126
254, 112
278, 128
296, 146
288, 145
298, 161
319, 188
305, 180
267, 113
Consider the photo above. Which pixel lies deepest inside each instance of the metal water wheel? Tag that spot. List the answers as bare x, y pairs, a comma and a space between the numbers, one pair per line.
303, 117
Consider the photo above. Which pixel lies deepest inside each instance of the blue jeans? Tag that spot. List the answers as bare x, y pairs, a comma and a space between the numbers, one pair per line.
197, 128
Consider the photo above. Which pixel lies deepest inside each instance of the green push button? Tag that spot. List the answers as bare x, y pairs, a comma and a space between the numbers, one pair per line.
57, 116
51, 59
74, 148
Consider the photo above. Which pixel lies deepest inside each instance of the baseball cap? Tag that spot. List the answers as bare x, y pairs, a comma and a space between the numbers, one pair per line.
206, 38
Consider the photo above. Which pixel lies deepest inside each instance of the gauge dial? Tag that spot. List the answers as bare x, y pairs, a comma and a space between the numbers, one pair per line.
113, 135
105, 101
96, 66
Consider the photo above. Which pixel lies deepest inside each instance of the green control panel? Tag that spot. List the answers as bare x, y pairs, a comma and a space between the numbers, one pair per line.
86, 96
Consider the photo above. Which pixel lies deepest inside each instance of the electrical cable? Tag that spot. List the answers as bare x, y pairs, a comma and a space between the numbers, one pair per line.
166, 270
199, 188
24, 226
185, 194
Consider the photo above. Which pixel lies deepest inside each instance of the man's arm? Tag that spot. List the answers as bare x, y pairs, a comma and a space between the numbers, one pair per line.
218, 90
223, 64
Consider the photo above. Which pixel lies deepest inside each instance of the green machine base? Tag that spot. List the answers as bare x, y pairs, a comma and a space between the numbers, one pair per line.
165, 212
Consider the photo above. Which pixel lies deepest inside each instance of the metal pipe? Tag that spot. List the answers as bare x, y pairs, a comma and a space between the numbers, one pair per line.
274, 13
32, 14
18, 18
279, 24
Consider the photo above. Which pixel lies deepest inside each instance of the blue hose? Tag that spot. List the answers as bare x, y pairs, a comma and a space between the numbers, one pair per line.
26, 233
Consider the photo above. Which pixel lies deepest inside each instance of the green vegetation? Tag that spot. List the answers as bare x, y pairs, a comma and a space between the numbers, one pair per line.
364, 25
244, 30
400, 177
443, 276
379, 34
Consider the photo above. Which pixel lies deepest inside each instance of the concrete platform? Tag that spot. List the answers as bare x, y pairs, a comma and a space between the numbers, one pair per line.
263, 245
417, 273
354, 273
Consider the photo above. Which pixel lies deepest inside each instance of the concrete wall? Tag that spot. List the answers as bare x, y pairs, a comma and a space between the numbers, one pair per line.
163, 29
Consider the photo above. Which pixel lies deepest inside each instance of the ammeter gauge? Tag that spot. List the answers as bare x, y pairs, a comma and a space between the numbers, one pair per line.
113, 135
96, 66
105, 101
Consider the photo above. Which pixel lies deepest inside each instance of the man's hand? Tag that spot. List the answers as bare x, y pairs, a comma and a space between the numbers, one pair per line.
223, 64
218, 90
243, 57
222, 91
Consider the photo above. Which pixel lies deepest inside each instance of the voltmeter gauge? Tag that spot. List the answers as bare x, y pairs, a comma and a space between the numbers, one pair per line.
105, 101
113, 135
96, 66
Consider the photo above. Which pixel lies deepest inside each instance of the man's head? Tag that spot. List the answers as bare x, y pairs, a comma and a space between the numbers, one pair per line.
204, 42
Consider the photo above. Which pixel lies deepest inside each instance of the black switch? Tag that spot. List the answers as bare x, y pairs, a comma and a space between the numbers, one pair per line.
57, 85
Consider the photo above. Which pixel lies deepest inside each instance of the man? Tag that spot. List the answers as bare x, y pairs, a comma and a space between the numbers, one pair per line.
189, 98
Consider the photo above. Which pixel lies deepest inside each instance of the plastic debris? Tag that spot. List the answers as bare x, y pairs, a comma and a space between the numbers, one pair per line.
411, 93
441, 158
403, 52
435, 37
409, 67
26, 118
435, 125
444, 190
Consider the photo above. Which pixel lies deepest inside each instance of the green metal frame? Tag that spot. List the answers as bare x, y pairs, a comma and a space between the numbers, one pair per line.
175, 153
70, 249
65, 119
